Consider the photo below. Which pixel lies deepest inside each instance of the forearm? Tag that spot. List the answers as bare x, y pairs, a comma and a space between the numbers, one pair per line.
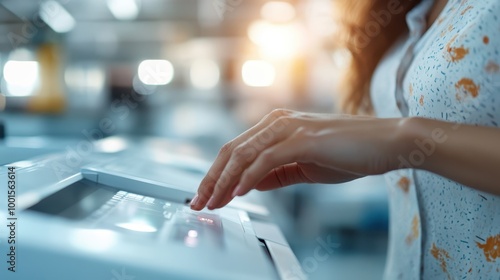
466, 154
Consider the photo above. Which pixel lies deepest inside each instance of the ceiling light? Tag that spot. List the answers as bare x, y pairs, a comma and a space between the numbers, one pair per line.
124, 9
56, 16
155, 72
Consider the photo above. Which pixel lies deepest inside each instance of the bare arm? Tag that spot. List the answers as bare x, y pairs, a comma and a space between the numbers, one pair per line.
466, 154
289, 147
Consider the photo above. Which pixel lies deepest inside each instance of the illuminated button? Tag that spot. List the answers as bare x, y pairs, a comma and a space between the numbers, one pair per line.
206, 220
192, 233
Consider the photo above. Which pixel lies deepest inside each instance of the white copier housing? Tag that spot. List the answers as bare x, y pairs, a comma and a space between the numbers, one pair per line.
124, 215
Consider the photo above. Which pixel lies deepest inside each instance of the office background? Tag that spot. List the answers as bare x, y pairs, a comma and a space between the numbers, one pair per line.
195, 71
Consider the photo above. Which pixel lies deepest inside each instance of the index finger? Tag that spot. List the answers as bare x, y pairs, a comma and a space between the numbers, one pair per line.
206, 188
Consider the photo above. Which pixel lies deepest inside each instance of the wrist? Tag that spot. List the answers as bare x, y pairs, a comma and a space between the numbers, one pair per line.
407, 132
418, 140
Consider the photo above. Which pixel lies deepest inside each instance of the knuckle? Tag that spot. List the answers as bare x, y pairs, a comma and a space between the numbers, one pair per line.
225, 149
281, 122
267, 155
223, 179
233, 169
265, 137
239, 152
242, 155
276, 113
279, 112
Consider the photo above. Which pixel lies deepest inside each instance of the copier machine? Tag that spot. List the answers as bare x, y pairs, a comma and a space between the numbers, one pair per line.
118, 210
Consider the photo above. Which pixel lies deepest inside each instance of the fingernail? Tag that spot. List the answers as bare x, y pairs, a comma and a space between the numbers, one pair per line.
210, 202
194, 200
237, 191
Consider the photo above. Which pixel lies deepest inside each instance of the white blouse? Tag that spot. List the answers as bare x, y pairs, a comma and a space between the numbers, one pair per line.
440, 229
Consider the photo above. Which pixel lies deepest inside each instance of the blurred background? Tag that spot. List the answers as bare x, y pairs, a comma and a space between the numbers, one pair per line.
199, 71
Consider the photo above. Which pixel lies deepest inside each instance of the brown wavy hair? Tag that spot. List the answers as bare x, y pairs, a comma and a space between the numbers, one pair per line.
367, 28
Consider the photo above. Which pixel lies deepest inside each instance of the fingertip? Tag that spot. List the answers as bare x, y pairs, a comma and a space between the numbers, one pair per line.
195, 202
195, 199
236, 191
240, 190
193, 207
198, 202
211, 203
204, 193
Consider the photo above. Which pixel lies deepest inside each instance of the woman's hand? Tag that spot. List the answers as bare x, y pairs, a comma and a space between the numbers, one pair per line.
289, 147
